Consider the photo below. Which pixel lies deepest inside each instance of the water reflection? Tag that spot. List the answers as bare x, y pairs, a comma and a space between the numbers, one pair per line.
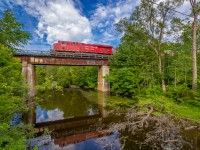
76, 116
69, 104
92, 144
78, 120
43, 115
30, 116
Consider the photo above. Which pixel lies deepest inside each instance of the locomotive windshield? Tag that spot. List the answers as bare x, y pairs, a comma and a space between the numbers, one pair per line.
63, 42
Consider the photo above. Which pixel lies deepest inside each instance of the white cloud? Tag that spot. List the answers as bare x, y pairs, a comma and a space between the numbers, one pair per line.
113, 12
63, 19
58, 20
105, 16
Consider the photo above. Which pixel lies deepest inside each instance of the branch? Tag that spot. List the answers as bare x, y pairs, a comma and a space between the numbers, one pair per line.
154, 49
191, 128
192, 3
147, 116
171, 141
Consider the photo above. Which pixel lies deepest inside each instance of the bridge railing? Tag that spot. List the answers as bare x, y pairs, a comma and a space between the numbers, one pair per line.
62, 54
33, 52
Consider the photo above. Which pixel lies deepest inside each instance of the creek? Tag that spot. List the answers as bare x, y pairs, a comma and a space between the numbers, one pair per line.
80, 120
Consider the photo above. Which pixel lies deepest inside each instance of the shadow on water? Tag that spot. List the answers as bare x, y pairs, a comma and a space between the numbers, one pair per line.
78, 119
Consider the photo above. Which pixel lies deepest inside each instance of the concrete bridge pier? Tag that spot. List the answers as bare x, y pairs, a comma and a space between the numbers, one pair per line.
28, 72
103, 85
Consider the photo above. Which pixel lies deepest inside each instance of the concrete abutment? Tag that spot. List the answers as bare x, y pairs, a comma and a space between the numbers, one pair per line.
28, 72
103, 85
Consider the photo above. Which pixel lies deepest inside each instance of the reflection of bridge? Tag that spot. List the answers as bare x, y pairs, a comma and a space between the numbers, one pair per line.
81, 137
73, 130
84, 121
69, 131
29, 59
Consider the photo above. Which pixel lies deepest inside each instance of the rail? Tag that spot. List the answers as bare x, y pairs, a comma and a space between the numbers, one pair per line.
62, 54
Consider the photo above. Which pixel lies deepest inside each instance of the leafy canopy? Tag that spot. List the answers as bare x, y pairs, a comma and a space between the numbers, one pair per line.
11, 31
12, 36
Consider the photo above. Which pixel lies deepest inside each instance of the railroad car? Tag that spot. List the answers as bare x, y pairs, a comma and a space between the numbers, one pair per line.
75, 47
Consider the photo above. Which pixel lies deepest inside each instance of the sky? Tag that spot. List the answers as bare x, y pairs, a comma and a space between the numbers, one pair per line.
87, 21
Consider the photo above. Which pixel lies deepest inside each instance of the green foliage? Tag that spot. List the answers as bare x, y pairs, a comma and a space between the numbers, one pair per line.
52, 77
11, 31
145, 56
11, 138
179, 69
14, 137
180, 93
151, 91
123, 81
11, 101
90, 76
11, 84
132, 69
145, 36
48, 84
164, 104
63, 76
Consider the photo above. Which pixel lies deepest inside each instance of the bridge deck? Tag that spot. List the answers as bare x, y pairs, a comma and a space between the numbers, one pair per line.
62, 54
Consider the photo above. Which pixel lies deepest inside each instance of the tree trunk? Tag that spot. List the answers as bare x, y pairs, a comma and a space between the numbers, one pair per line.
194, 53
175, 77
161, 71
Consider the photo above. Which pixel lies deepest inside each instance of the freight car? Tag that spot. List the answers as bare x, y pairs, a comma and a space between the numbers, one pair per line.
75, 47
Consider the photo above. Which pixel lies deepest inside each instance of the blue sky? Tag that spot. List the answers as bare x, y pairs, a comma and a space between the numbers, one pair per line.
88, 21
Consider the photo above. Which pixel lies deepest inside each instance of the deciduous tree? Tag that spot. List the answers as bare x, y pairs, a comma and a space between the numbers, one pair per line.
153, 20
11, 31
195, 12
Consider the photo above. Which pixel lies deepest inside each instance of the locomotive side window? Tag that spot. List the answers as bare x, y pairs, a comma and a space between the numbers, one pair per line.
75, 43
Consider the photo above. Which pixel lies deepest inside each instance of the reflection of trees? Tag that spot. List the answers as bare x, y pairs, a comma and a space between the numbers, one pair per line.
142, 129
71, 102
129, 141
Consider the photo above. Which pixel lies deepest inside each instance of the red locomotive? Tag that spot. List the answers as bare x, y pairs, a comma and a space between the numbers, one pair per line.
66, 46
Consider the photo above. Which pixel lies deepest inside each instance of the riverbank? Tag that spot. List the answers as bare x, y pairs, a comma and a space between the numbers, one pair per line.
161, 105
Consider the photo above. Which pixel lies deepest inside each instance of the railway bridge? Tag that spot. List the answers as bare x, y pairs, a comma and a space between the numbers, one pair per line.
31, 58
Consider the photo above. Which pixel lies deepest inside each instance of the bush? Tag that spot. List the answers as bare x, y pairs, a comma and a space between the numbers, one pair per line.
180, 93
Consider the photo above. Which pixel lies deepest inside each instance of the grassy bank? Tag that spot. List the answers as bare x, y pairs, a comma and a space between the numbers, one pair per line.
164, 104
160, 104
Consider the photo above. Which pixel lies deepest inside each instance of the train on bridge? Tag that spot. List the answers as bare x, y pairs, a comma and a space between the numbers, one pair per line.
76, 47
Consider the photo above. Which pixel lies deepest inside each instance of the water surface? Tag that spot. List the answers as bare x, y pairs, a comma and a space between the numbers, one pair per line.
80, 120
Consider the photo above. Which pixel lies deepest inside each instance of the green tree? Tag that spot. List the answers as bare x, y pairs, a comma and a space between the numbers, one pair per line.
11, 101
51, 77
11, 31
132, 67
152, 19
11, 87
195, 12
